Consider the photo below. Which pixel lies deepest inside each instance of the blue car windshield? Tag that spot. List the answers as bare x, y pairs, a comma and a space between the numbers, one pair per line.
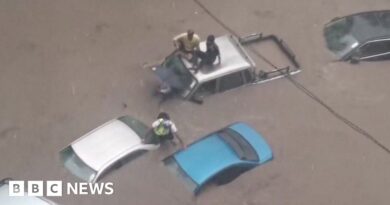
240, 146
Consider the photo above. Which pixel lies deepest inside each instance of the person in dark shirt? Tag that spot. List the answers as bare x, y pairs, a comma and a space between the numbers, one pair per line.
212, 53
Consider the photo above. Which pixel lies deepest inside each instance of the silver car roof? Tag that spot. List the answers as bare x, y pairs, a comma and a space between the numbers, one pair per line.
370, 25
233, 59
105, 144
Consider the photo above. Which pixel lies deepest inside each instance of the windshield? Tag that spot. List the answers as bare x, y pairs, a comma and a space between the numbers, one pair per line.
137, 126
75, 165
339, 38
240, 146
182, 79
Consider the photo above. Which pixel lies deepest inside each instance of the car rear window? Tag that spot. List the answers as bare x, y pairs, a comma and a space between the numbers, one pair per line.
139, 127
240, 146
75, 165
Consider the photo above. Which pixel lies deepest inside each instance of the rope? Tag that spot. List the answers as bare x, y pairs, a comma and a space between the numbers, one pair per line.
301, 87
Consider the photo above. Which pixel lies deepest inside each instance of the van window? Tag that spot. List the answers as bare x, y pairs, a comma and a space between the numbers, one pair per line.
248, 76
231, 81
375, 48
207, 88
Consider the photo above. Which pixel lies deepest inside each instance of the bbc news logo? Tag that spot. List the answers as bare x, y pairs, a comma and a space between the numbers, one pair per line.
56, 188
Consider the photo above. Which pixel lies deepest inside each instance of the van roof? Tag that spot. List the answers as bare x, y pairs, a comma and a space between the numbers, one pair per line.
233, 59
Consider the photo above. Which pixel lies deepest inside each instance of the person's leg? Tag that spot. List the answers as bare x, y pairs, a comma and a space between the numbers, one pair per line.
199, 55
208, 62
166, 143
194, 58
170, 138
205, 63
170, 95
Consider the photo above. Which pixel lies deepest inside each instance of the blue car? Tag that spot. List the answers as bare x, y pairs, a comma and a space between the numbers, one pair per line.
220, 157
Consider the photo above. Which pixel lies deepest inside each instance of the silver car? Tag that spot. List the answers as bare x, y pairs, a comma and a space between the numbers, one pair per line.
105, 148
362, 36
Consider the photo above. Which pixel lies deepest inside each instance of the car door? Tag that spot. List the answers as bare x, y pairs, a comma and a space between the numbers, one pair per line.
119, 163
375, 50
231, 173
230, 81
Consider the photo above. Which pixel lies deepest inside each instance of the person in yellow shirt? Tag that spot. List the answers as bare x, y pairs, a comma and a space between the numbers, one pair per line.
187, 42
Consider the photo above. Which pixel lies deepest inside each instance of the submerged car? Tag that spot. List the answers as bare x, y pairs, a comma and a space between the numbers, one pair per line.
5, 199
220, 157
105, 148
235, 70
361, 36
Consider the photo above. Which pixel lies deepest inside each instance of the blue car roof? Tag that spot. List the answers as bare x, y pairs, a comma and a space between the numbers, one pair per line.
205, 158
211, 154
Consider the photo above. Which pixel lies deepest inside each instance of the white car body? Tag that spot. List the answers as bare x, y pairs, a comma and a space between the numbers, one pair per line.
105, 146
5, 199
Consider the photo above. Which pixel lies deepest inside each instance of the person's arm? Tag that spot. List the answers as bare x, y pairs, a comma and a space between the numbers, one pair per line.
177, 40
176, 43
180, 140
197, 39
197, 48
174, 133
